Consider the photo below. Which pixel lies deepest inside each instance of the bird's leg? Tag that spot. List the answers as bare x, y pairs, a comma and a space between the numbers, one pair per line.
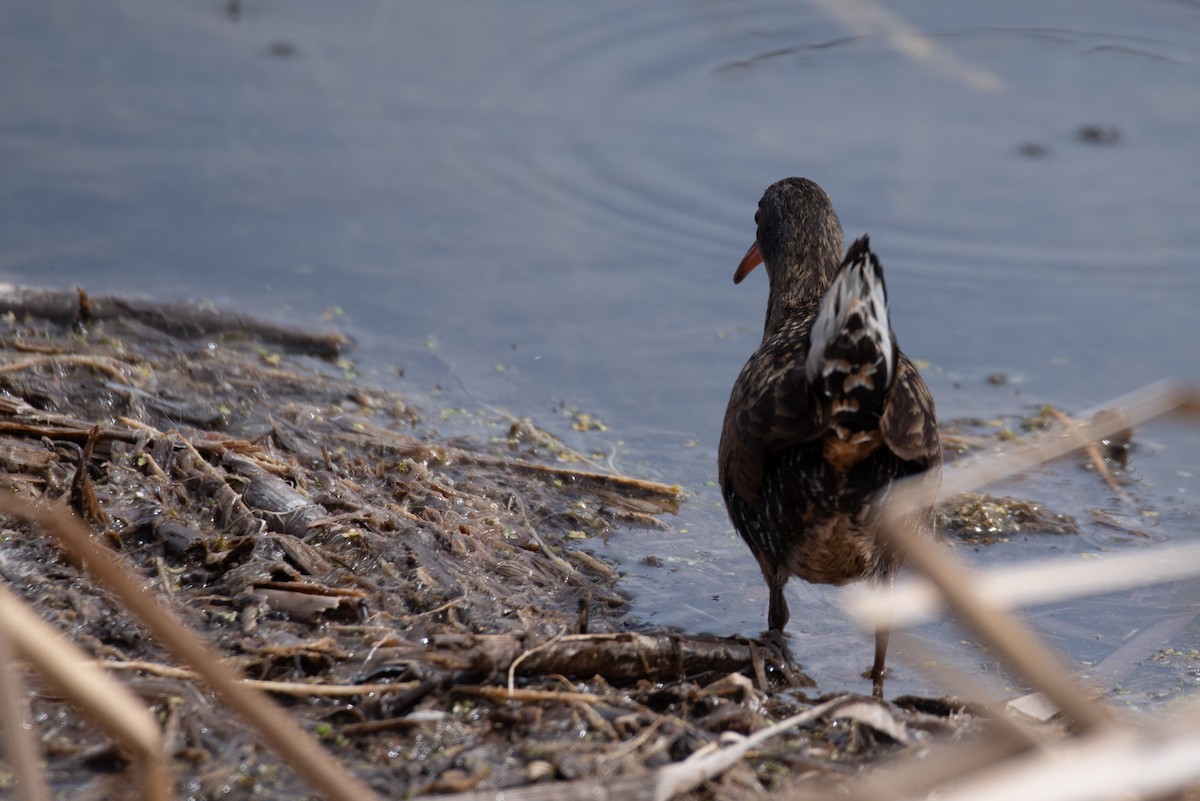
883, 631
777, 616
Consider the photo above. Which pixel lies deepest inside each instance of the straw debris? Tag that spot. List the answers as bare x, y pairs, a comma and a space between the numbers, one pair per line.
300, 594
419, 607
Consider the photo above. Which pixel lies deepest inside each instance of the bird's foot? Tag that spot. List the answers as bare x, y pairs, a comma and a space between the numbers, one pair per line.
876, 677
775, 642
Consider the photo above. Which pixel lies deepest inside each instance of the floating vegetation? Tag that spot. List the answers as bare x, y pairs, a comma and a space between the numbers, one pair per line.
986, 519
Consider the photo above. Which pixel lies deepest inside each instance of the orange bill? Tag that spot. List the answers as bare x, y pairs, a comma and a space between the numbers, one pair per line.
752, 259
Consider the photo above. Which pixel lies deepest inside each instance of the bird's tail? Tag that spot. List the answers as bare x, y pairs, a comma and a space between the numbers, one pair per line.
852, 352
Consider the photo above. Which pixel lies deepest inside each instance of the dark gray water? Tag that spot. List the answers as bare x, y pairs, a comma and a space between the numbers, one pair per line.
539, 207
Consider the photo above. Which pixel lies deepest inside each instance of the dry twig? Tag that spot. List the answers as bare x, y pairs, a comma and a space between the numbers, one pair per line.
1094, 456
293, 688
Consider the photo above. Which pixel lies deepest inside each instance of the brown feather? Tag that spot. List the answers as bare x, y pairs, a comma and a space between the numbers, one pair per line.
909, 422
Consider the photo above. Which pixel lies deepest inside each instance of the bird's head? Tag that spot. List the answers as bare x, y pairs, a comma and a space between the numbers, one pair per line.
797, 228
799, 241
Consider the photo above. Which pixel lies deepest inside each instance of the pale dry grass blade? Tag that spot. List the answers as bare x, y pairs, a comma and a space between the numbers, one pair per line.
943, 762
19, 743
965, 686
916, 601
1110, 763
296, 747
106, 701
1113, 669
294, 688
940, 764
867, 18
1011, 638
1108, 760
1148, 403
701, 766
662, 784
1008, 636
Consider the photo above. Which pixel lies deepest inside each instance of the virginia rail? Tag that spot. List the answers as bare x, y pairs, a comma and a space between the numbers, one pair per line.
826, 413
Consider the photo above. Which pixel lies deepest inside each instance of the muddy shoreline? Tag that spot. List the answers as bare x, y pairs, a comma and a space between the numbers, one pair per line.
291, 516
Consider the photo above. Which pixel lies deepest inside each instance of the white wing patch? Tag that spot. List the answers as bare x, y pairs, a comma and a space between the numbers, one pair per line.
855, 306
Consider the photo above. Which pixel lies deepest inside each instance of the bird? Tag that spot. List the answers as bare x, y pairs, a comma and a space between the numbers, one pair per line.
826, 414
